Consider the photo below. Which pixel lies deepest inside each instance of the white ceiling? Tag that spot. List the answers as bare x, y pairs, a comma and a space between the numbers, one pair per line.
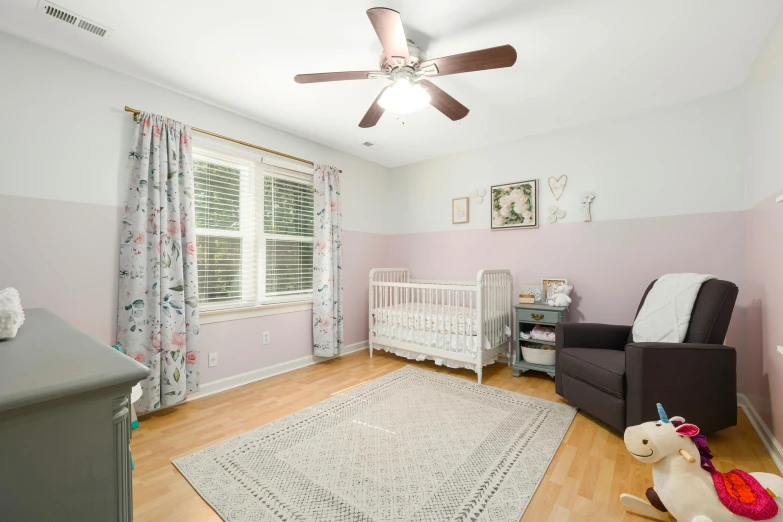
579, 60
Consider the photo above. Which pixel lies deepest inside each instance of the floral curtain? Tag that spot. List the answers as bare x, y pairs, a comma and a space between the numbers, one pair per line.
158, 320
327, 263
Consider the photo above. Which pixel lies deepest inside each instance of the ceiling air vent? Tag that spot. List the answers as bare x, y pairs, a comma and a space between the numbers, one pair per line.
64, 15
368, 144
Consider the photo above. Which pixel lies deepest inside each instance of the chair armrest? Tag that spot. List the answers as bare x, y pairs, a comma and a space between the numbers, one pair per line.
591, 335
695, 381
586, 335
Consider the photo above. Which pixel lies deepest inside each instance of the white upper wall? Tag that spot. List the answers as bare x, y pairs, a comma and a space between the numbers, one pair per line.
578, 60
764, 121
65, 135
682, 159
769, 62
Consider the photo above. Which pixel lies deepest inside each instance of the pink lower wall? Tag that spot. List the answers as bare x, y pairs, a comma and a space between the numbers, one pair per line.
238, 343
610, 263
63, 256
764, 301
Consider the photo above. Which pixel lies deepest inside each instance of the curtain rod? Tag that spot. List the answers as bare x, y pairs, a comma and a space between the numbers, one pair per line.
136, 113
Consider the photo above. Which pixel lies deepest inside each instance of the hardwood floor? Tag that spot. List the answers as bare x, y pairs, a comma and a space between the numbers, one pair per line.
583, 483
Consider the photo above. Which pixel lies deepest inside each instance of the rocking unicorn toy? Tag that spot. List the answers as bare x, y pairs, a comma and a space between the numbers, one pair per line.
688, 486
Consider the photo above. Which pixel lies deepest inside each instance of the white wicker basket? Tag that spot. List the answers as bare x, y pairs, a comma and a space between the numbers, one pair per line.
538, 356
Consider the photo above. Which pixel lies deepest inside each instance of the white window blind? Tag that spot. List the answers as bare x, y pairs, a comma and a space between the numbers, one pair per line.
254, 231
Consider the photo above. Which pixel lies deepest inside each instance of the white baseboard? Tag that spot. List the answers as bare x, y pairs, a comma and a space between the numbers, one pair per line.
765, 434
235, 381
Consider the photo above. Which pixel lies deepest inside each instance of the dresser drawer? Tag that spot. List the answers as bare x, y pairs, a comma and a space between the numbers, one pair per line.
539, 316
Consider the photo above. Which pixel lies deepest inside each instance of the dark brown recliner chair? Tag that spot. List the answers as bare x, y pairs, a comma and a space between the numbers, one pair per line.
602, 371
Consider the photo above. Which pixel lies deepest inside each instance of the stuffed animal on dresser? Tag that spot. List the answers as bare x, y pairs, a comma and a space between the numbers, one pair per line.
558, 296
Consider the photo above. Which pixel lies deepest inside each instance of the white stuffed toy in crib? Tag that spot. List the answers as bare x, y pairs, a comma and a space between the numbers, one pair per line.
688, 486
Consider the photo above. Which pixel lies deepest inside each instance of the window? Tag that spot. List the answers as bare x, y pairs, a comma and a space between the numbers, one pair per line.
254, 231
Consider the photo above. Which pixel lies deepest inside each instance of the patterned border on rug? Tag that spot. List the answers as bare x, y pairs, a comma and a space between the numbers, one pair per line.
496, 464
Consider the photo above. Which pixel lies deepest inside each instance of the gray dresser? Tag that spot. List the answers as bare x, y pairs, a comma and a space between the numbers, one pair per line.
64, 425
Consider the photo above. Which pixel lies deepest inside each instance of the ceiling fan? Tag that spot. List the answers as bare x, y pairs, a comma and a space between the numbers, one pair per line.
406, 65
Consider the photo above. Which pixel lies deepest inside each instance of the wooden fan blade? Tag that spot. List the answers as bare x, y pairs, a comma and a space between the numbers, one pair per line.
331, 76
444, 102
374, 113
492, 58
388, 26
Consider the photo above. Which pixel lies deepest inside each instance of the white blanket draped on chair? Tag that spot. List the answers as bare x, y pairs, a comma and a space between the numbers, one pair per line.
666, 312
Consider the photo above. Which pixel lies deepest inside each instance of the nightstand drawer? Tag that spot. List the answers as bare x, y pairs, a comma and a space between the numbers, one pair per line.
539, 316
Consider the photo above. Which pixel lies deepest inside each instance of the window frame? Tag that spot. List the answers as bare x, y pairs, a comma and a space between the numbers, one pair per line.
252, 208
263, 236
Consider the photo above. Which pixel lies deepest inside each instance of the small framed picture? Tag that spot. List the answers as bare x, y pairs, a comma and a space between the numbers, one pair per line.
514, 205
537, 291
550, 283
460, 210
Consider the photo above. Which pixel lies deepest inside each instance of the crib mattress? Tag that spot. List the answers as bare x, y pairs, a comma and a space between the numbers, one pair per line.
439, 318
451, 342
438, 326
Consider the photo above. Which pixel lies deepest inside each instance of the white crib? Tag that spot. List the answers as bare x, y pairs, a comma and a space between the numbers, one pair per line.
461, 324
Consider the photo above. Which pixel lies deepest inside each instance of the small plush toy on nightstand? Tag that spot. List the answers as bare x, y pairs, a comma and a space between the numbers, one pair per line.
559, 295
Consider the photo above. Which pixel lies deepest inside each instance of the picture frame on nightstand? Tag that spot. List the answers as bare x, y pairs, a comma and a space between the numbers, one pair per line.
537, 291
551, 281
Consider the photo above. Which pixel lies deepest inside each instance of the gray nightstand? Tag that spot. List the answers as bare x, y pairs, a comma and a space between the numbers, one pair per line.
527, 316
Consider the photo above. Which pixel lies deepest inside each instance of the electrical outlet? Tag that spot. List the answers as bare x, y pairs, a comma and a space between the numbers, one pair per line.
780, 349
265, 338
212, 359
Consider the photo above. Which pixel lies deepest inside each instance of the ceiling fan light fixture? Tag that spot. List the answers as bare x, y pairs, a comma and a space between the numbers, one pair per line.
404, 97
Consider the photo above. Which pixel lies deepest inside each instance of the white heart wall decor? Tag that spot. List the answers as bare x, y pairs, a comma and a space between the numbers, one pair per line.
557, 186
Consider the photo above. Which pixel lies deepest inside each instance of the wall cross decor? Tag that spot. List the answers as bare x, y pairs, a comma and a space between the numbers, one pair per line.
586, 201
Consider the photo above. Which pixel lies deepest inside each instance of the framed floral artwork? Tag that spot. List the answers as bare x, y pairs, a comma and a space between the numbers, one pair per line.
460, 210
515, 205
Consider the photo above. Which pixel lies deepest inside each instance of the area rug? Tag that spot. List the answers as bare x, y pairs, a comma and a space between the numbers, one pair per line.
413, 445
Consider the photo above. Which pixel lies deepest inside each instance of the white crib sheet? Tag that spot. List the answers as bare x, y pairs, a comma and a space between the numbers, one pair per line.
437, 326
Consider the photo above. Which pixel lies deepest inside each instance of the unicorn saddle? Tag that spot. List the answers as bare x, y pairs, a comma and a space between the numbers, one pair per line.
743, 495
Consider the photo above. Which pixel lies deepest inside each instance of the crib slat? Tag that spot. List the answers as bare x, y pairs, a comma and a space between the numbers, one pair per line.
488, 309
469, 328
496, 312
495, 315
498, 307
462, 311
492, 304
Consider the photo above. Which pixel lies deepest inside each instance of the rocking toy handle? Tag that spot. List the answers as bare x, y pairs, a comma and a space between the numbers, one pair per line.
687, 456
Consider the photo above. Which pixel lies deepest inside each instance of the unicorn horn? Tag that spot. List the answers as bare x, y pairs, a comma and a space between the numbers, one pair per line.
662, 414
